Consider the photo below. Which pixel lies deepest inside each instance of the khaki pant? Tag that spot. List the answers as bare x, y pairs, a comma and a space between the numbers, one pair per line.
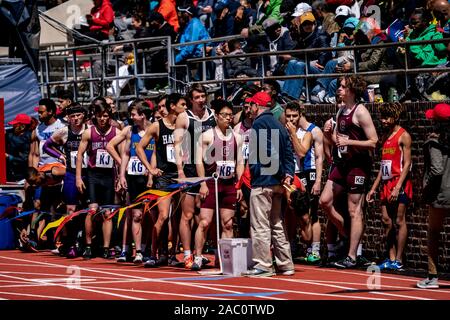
267, 228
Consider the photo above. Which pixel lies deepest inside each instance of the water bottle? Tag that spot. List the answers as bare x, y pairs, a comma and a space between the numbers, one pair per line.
393, 95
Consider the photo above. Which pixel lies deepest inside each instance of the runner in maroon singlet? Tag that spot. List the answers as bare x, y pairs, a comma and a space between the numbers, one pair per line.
219, 152
355, 136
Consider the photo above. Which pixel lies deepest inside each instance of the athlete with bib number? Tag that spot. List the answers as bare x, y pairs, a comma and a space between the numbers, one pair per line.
188, 128
69, 138
219, 152
100, 173
133, 175
355, 136
163, 168
396, 186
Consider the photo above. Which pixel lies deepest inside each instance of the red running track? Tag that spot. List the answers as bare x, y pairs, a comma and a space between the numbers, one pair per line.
43, 276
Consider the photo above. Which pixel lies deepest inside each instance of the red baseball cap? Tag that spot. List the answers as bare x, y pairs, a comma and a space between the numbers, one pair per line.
440, 112
21, 118
261, 98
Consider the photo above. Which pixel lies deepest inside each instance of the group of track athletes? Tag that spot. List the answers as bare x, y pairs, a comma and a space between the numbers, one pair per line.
88, 157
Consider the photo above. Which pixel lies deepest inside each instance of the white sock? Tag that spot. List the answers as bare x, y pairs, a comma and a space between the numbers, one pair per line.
331, 250
125, 248
187, 253
315, 247
359, 250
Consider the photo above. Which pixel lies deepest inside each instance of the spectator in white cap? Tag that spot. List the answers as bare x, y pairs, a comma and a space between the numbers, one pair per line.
301, 8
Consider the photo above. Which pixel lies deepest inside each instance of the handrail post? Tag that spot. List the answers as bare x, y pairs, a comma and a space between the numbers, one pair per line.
135, 73
204, 63
169, 63
308, 100
74, 73
47, 73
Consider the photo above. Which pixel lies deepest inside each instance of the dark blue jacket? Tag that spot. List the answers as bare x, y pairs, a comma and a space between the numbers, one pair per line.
273, 154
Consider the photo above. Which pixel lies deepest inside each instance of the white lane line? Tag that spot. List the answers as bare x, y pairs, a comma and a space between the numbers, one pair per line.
76, 288
365, 274
382, 286
37, 296
202, 286
328, 295
158, 293
353, 289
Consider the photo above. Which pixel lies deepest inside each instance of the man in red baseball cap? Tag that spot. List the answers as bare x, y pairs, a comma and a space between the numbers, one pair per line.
271, 162
18, 140
21, 118
440, 112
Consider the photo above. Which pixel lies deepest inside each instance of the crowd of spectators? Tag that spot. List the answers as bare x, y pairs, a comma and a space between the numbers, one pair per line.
276, 25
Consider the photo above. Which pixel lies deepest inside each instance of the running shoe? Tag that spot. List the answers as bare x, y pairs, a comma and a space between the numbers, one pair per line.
385, 265
122, 257
197, 265
257, 273
106, 254
428, 283
138, 258
188, 261
173, 262
55, 251
346, 263
205, 260
151, 263
162, 261
313, 258
287, 272
363, 262
397, 265
72, 253
87, 254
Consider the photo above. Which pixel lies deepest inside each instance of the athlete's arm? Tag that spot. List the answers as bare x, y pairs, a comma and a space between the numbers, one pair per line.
240, 164
85, 138
125, 156
181, 126
405, 144
150, 132
376, 183
58, 138
319, 156
33, 156
115, 143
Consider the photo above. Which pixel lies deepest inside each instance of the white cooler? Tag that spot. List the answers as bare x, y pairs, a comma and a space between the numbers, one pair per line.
236, 255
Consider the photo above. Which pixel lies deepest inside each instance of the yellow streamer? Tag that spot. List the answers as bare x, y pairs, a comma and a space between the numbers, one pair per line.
53, 224
155, 192
122, 211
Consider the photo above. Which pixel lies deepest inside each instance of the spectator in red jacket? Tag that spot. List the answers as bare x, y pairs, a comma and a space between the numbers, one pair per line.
100, 19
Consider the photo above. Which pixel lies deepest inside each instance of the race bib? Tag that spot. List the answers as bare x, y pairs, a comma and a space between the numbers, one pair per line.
297, 168
343, 149
304, 181
73, 160
225, 169
386, 169
103, 159
170, 151
135, 167
312, 176
245, 150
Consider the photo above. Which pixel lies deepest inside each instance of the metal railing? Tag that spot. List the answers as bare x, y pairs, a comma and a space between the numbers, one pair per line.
103, 54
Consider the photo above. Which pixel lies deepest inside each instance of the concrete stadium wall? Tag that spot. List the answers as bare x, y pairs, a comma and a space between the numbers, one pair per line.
415, 254
66, 13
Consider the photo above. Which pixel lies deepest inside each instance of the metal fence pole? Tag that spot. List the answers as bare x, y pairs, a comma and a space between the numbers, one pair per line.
74, 74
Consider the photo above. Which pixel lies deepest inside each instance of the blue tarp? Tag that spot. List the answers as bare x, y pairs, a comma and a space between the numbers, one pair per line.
20, 89
6, 228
